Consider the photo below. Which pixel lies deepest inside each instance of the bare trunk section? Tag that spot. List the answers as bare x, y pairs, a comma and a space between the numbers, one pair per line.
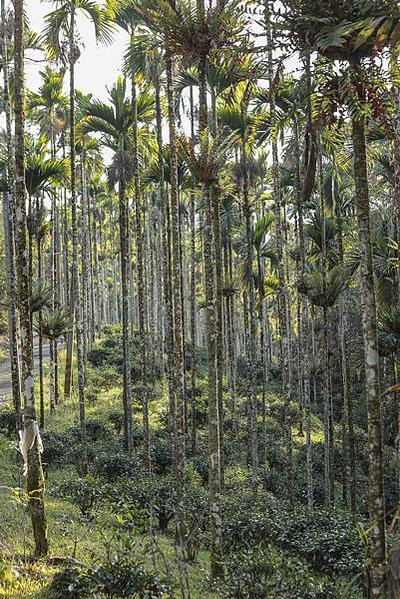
371, 357
9, 233
35, 480
179, 366
75, 248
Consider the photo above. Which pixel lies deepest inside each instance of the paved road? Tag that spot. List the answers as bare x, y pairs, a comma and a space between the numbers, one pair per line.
5, 375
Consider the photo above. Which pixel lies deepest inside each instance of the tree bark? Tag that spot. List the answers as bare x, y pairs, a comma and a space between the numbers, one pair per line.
9, 233
75, 248
371, 357
35, 480
179, 366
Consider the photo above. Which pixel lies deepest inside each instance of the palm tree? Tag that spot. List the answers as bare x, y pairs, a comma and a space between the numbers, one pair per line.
262, 230
206, 166
124, 15
116, 123
353, 44
8, 218
61, 24
30, 438
48, 106
48, 109
41, 174
284, 298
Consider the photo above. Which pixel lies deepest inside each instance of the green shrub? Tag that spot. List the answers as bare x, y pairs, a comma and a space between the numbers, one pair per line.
123, 577
120, 577
265, 572
117, 420
115, 466
153, 497
162, 454
86, 493
327, 539
61, 449
70, 582
96, 430
8, 421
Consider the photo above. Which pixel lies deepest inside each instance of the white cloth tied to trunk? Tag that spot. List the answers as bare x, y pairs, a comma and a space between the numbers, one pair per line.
27, 439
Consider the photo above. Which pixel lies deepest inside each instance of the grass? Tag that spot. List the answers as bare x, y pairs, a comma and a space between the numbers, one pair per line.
72, 536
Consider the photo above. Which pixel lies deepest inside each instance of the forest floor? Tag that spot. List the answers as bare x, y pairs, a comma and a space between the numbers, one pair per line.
87, 538
73, 538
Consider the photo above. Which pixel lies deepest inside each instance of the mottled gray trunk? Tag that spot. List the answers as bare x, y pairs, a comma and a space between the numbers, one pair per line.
176, 276
371, 356
8, 221
35, 480
283, 294
75, 248
214, 452
124, 250
141, 288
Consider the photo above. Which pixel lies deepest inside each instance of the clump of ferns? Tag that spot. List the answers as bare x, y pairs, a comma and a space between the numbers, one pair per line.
323, 289
186, 32
55, 323
41, 297
342, 29
39, 226
207, 161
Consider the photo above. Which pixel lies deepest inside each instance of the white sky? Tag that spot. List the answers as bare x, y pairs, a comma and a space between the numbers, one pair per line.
98, 66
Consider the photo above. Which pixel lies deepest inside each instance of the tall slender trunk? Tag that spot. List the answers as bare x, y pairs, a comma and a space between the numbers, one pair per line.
263, 353
84, 258
230, 317
252, 330
305, 336
193, 322
179, 366
396, 163
283, 295
211, 336
371, 356
75, 248
349, 458
9, 233
328, 436
168, 321
35, 480
124, 243
40, 319
141, 287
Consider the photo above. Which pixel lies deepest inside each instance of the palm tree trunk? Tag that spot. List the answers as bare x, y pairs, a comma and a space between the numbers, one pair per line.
9, 233
75, 252
124, 243
283, 299
371, 356
84, 259
193, 322
141, 289
40, 318
214, 450
304, 334
179, 366
168, 333
35, 480
252, 330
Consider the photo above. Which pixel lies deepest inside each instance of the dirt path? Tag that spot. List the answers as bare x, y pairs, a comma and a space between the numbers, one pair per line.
5, 375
